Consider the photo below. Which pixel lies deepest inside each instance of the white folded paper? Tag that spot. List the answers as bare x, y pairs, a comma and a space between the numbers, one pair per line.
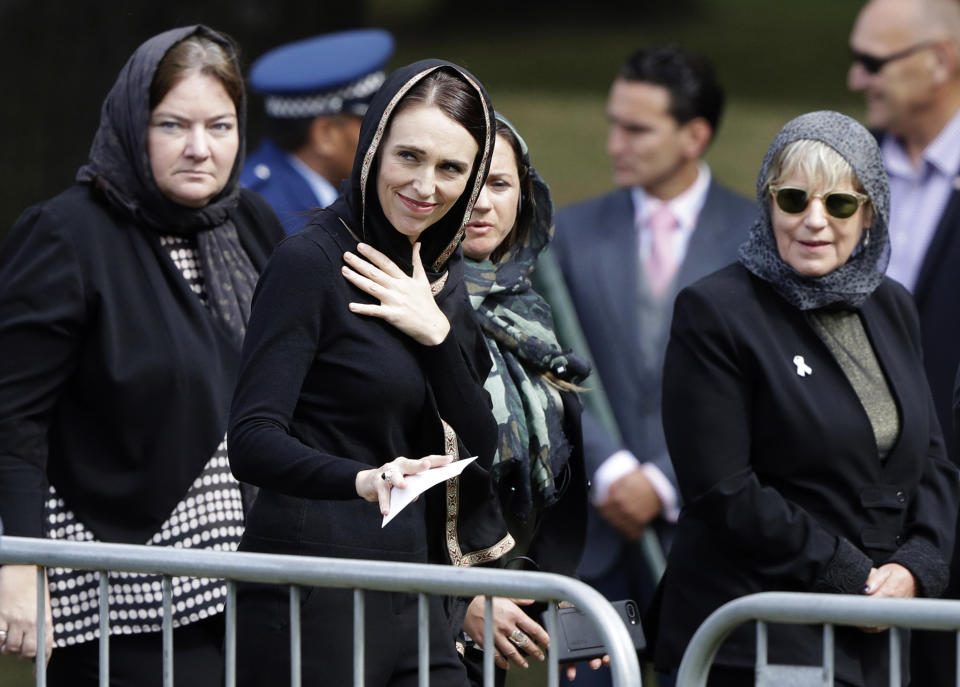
419, 483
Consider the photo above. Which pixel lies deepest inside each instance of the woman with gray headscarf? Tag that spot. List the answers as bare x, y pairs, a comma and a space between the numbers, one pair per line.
798, 417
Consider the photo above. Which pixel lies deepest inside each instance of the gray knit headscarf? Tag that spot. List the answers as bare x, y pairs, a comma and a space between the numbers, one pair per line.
852, 283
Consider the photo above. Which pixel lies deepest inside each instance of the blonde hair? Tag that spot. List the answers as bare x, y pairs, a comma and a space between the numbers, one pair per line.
823, 166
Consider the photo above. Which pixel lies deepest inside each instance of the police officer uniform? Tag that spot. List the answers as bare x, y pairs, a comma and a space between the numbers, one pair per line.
332, 74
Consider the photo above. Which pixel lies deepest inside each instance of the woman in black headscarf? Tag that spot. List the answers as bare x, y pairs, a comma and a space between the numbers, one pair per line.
123, 304
363, 364
798, 417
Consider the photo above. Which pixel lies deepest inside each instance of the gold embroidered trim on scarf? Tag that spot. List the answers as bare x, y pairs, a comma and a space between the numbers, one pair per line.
375, 145
437, 286
457, 557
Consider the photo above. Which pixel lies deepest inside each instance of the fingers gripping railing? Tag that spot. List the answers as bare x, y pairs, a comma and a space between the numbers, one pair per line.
297, 571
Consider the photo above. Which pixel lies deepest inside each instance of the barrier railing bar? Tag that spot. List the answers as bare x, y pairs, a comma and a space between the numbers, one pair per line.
342, 574
41, 663
957, 653
553, 666
104, 603
761, 645
488, 641
359, 638
894, 657
803, 608
295, 666
230, 640
167, 629
423, 637
828, 655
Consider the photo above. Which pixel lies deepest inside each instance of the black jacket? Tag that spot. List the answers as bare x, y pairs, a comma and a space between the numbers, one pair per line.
780, 474
115, 380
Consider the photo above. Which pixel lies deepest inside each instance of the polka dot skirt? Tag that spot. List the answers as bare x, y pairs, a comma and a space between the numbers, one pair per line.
210, 516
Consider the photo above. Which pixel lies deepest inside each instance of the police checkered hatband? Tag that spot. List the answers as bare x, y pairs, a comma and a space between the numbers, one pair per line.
317, 105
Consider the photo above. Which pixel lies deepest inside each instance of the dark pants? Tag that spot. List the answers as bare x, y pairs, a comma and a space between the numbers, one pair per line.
326, 622
136, 660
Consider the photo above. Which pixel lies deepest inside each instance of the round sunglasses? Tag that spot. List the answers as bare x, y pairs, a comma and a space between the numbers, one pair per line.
839, 204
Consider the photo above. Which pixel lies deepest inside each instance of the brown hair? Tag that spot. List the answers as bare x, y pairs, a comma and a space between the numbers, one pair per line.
455, 97
198, 54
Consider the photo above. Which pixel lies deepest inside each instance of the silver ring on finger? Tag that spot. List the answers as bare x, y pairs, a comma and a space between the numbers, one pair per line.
3, 637
387, 476
518, 638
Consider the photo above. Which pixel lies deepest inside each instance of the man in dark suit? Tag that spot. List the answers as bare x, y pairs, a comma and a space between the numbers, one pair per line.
907, 64
624, 257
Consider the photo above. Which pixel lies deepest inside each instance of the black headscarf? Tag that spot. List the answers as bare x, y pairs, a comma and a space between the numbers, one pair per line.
119, 167
853, 282
359, 207
358, 203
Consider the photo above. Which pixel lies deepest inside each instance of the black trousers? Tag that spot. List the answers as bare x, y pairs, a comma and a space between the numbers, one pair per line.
326, 622
137, 660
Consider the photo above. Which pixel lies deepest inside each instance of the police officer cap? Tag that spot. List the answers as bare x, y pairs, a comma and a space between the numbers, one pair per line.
325, 75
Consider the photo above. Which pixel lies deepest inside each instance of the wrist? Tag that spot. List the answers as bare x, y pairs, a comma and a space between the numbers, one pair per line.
436, 333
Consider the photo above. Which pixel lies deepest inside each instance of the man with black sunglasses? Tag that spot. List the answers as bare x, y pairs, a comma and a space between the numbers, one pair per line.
906, 61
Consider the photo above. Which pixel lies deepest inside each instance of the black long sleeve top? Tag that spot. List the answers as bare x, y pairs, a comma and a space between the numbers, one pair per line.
324, 393
115, 381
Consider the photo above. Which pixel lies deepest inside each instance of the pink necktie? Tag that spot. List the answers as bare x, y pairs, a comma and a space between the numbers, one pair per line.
661, 262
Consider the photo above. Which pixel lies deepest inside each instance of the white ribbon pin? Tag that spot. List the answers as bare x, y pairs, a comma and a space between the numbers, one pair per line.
802, 368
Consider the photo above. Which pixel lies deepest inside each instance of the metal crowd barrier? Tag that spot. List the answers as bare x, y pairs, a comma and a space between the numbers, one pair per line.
301, 571
826, 609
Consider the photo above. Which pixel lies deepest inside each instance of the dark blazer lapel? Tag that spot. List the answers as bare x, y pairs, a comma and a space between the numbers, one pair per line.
614, 266
938, 250
718, 232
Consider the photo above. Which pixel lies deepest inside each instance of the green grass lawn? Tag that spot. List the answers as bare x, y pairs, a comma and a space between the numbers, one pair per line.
15, 672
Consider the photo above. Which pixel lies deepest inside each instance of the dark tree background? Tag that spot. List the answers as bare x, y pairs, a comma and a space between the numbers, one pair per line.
58, 59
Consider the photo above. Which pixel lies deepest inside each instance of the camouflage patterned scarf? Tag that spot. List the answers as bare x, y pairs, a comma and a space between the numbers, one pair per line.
518, 327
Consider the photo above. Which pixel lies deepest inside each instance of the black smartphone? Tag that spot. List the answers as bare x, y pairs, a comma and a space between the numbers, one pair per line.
578, 639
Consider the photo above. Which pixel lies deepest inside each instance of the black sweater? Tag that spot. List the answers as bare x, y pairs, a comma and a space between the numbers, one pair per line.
324, 393
115, 380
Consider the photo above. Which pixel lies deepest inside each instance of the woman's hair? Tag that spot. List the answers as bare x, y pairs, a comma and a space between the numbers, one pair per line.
455, 97
823, 166
197, 54
527, 207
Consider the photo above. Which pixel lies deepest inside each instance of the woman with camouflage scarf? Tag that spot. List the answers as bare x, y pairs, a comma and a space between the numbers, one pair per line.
538, 470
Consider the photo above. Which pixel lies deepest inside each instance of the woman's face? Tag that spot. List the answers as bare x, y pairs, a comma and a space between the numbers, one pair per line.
813, 242
425, 164
495, 211
193, 140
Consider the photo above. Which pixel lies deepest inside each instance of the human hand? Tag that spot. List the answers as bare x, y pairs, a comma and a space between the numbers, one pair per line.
513, 630
375, 484
18, 612
631, 504
405, 302
594, 663
890, 580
